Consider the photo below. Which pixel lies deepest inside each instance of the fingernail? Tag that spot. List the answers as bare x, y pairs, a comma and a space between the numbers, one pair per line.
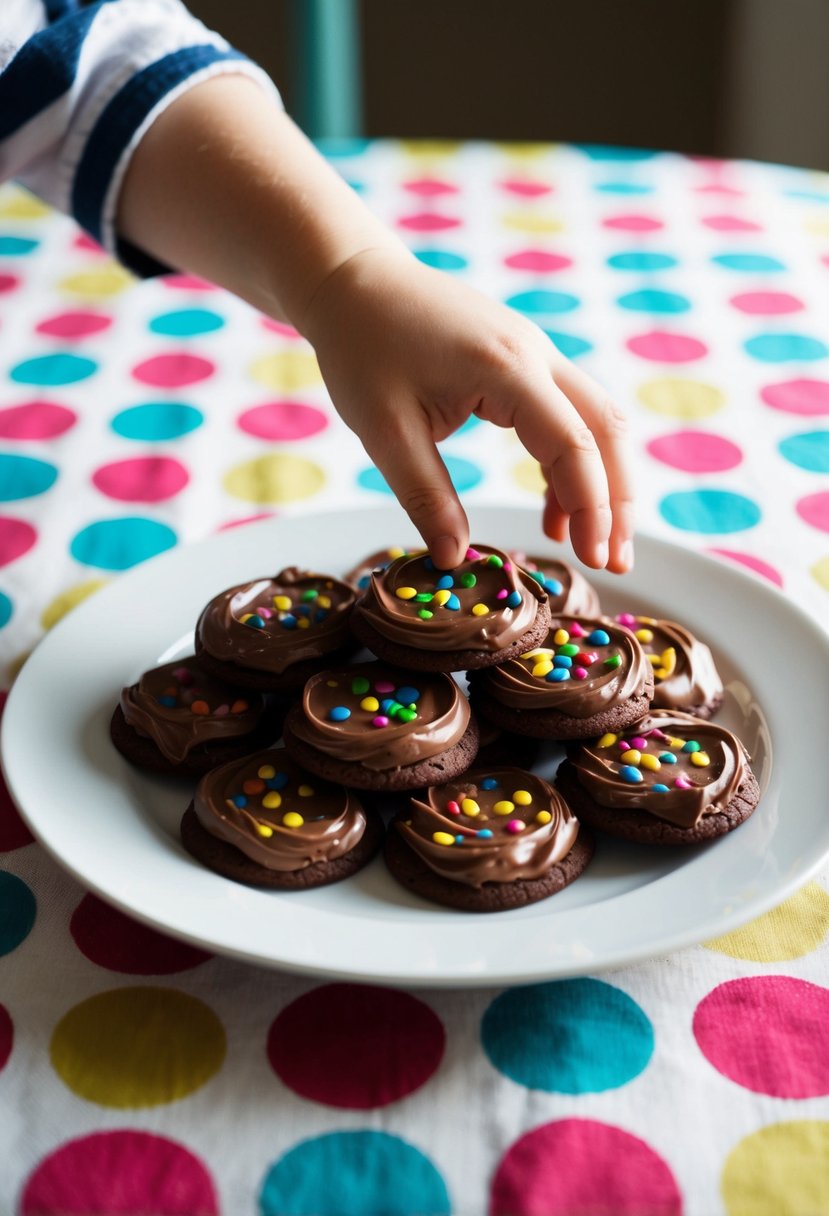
602, 553
444, 552
626, 555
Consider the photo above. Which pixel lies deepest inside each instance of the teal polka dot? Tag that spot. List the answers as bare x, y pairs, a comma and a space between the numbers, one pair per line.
17, 246
472, 421
24, 477
465, 475
808, 451
359, 1173
5, 609
543, 302
748, 263
186, 323
782, 348
157, 421
570, 345
808, 196
628, 188
442, 259
709, 511
641, 259
51, 370
604, 152
17, 911
117, 544
336, 148
357, 187
568, 1037
650, 300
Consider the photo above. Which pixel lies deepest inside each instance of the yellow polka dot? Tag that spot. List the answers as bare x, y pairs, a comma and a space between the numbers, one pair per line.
795, 928
429, 149
69, 599
18, 204
526, 151
277, 477
107, 280
779, 1171
527, 474
532, 221
287, 370
134, 1047
678, 398
820, 572
818, 226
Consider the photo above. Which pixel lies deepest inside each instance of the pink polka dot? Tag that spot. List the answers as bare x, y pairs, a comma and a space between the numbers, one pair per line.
282, 420
719, 188
122, 1173
8, 282
807, 398
768, 1033
16, 538
526, 187
572, 1167
662, 347
187, 282
87, 244
354, 1046
6, 1036
13, 832
429, 187
730, 223
246, 519
143, 479
751, 563
428, 221
74, 324
119, 943
36, 420
766, 303
173, 371
633, 223
537, 260
279, 327
695, 451
813, 509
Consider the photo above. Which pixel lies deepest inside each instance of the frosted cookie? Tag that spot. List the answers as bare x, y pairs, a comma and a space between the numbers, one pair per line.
374, 727
588, 677
494, 839
684, 673
569, 592
481, 613
671, 778
272, 634
179, 719
265, 822
360, 576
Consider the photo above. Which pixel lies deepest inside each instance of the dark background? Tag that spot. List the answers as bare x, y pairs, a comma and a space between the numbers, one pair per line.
711, 77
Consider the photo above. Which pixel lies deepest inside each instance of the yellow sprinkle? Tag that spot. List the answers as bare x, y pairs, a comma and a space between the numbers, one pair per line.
292, 820
396, 551
561, 637
669, 661
303, 622
323, 601
651, 762
539, 653
701, 759
263, 830
655, 659
332, 684
282, 603
272, 800
266, 771
470, 807
522, 797
442, 838
370, 704
406, 593
505, 807
305, 791
246, 617
543, 817
680, 743
542, 668
647, 620
440, 597
479, 609
660, 673
631, 757
607, 740
644, 635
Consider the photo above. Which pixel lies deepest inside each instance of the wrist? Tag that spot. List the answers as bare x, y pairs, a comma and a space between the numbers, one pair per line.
362, 270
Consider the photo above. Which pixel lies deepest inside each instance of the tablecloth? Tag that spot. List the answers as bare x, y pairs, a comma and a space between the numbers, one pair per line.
141, 1075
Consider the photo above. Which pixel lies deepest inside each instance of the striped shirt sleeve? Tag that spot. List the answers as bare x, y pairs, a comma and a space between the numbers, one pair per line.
78, 94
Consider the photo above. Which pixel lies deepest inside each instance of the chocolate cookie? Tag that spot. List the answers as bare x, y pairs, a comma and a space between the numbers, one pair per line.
672, 779
265, 822
685, 675
492, 840
374, 727
569, 591
588, 677
481, 613
359, 576
178, 719
272, 634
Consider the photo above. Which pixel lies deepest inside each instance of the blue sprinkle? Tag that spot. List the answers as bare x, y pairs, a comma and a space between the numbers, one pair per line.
453, 603
364, 582
514, 599
167, 702
387, 705
628, 773
304, 609
562, 660
239, 800
459, 840
321, 614
660, 789
278, 781
444, 583
406, 695
485, 833
255, 622
538, 576
288, 622
599, 638
557, 675
553, 586
667, 758
428, 563
489, 783
339, 713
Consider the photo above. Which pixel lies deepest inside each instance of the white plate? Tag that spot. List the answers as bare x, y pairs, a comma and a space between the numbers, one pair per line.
116, 830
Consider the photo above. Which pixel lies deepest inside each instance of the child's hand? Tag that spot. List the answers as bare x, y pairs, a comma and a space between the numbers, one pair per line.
409, 353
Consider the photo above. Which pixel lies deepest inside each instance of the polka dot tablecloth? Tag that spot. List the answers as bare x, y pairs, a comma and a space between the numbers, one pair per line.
141, 1075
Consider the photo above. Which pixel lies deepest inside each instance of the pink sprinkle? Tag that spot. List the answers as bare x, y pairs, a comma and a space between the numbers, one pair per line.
516, 825
624, 618
623, 745
576, 630
502, 594
579, 673
453, 808
506, 566
472, 555
380, 720
265, 613
222, 711
682, 783
657, 734
184, 675
384, 686
639, 743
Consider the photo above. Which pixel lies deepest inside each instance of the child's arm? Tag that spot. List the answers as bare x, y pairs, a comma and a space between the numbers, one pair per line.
224, 185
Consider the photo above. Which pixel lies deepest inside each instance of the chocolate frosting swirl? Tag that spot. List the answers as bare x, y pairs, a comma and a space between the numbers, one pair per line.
276, 814
179, 707
596, 674
271, 624
493, 825
569, 591
381, 717
485, 603
685, 675
687, 767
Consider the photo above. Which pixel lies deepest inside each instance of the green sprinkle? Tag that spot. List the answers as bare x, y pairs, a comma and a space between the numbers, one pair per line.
468, 580
494, 560
569, 649
407, 715
308, 595
613, 661
425, 597
425, 614
360, 685
691, 746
